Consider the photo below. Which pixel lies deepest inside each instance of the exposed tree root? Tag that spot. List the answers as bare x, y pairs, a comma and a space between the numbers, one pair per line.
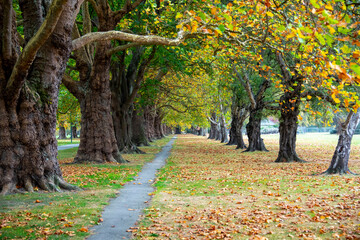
284, 158
338, 172
54, 183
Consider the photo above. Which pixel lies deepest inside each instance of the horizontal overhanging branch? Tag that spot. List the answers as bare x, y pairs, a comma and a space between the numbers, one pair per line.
129, 37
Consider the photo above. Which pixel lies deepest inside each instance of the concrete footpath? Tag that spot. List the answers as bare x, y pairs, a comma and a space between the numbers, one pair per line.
123, 211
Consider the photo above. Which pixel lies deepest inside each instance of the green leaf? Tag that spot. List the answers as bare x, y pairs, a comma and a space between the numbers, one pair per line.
329, 39
320, 38
202, 16
355, 68
228, 17
222, 28
315, 4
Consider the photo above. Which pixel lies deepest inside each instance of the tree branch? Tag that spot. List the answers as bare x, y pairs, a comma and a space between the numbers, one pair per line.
285, 72
28, 55
128, 7
122, 48
247, 86
7, 27
139, 79
73, 86
264, 85
95, 6
212, 121
140, 39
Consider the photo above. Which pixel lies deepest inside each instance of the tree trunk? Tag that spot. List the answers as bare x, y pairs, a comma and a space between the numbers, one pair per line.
218, 132
28, 145
138, 131
340, 159
62, 132
149, 116
242, 115
157, 123
233, 137
74, 132
290, 103
97, 139
287, 130
213, 127
224, 135
178, 130
253, 128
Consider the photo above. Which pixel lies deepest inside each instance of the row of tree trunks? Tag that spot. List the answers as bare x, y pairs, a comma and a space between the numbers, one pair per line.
28, 102
62, 131
153, 123
125, 83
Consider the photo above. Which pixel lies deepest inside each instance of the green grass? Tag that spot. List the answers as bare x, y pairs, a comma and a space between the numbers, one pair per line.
68, 215
67, 153
61, 142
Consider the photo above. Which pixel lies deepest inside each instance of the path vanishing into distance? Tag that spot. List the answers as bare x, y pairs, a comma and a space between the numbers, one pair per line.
123, 212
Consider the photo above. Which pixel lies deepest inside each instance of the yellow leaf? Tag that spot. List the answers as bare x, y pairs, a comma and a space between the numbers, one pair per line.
213, 10
331, 29
270, 14
178, 15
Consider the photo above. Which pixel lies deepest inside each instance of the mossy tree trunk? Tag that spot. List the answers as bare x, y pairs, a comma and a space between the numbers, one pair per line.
29, 84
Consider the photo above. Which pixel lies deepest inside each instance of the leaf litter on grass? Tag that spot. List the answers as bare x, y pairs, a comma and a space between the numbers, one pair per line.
68, 215
211, 191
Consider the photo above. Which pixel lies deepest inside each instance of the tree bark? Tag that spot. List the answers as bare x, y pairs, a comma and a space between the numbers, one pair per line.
253, 128
62, 131
290, 104
242, 115
157, 124
74, 131
97, 139
149, 116
214, 133
28, 105
224, 135
340, 159
138, 131
125, 84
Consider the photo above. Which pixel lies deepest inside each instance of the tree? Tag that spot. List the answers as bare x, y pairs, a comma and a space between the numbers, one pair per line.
125, 84
30, 76
340, 159
290, 103
93, 88
256, 107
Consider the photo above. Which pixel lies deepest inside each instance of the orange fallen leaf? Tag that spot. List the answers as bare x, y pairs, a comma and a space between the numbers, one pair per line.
83, 229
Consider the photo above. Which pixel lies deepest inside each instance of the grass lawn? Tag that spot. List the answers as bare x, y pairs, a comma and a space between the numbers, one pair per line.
68, 215
62, 142
212, 191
